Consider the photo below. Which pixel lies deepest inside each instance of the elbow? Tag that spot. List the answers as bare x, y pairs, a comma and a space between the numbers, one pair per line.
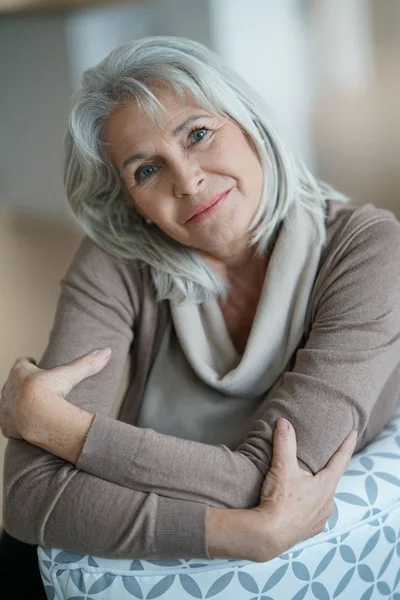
31, 489
18, 520
15, 526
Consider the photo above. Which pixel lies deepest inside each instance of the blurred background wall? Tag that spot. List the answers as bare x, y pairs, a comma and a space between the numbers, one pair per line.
329, 69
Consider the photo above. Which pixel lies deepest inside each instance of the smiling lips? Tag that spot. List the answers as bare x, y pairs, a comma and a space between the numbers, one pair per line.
204, 210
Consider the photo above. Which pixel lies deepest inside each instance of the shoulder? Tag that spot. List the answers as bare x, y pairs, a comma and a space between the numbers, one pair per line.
91, 253
93, 267
360, 263
359, 233
348, 227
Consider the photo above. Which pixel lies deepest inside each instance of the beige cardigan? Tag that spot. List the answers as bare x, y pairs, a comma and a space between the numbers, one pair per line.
136, 493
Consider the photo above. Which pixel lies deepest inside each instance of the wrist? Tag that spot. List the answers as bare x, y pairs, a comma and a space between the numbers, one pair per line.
239, 533
28, 413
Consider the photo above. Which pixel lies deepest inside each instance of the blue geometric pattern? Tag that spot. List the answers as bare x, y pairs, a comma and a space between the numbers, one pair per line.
356, 557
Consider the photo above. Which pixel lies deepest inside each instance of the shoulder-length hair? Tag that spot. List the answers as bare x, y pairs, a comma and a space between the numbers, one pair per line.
97, 196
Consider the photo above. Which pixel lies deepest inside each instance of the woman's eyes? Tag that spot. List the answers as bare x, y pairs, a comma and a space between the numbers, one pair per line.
197, 130
144, 173
140, 174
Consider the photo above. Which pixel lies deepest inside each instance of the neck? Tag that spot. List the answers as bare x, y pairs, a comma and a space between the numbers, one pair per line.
239, 260
244, 266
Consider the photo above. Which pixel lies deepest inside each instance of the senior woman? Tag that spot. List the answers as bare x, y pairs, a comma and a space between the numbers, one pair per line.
237, 290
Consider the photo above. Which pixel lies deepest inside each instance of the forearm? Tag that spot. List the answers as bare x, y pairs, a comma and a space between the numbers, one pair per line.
120, 453
49, 502
57, 426
148, 461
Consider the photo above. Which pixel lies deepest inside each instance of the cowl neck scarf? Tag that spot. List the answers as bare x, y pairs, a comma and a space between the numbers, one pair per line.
278, 324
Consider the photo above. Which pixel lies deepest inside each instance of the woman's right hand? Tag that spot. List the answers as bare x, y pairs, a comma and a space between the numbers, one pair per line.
294, 504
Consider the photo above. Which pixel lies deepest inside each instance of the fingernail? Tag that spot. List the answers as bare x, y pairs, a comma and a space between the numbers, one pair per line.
282, 423
102, 353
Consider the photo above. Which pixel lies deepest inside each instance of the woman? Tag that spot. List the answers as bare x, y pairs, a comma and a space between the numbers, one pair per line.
236, 288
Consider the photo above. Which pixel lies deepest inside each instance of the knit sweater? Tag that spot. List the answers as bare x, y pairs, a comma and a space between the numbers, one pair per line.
138, 493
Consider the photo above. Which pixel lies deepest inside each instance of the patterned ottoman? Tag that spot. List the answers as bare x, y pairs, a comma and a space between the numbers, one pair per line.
357, 557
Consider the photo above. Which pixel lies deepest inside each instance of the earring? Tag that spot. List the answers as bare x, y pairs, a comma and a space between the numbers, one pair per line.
148, 221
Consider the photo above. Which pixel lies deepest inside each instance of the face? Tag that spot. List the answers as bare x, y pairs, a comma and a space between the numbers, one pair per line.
194, 173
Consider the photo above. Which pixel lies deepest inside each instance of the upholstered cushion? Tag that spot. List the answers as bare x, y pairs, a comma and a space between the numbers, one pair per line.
357, 557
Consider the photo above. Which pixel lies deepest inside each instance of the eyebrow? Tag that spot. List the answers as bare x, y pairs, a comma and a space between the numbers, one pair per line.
140, 156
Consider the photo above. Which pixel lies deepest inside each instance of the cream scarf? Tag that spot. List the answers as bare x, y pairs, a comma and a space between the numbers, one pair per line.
278, 324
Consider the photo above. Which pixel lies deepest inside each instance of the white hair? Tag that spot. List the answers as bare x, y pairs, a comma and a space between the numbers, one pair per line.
97, 196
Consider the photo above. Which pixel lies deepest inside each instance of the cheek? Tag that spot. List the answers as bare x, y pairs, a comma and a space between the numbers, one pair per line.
156, 206
236, 154
139, 203
134, 201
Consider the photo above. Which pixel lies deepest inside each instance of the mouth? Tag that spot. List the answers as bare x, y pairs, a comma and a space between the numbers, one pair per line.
207, 208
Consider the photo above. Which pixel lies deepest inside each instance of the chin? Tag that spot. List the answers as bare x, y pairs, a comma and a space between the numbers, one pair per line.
219, 235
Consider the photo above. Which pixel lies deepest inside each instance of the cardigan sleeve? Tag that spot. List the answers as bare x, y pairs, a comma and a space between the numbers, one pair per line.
48, 501
352, 351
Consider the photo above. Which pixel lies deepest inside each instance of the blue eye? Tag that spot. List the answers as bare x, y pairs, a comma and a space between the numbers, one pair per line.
144, 172
198, 130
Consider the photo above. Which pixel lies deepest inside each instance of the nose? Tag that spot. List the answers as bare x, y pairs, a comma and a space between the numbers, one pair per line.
187, 177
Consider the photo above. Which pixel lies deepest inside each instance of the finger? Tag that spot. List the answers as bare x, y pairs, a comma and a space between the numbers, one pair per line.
340, 461
67, 376
284, 456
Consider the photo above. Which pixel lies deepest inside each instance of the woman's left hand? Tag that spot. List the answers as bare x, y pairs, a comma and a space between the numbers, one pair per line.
13, 405
29, 392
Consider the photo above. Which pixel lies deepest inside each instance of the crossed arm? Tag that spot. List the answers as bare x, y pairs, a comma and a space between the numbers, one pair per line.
141, 480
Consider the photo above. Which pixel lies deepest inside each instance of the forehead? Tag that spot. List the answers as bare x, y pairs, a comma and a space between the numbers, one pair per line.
133, 119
